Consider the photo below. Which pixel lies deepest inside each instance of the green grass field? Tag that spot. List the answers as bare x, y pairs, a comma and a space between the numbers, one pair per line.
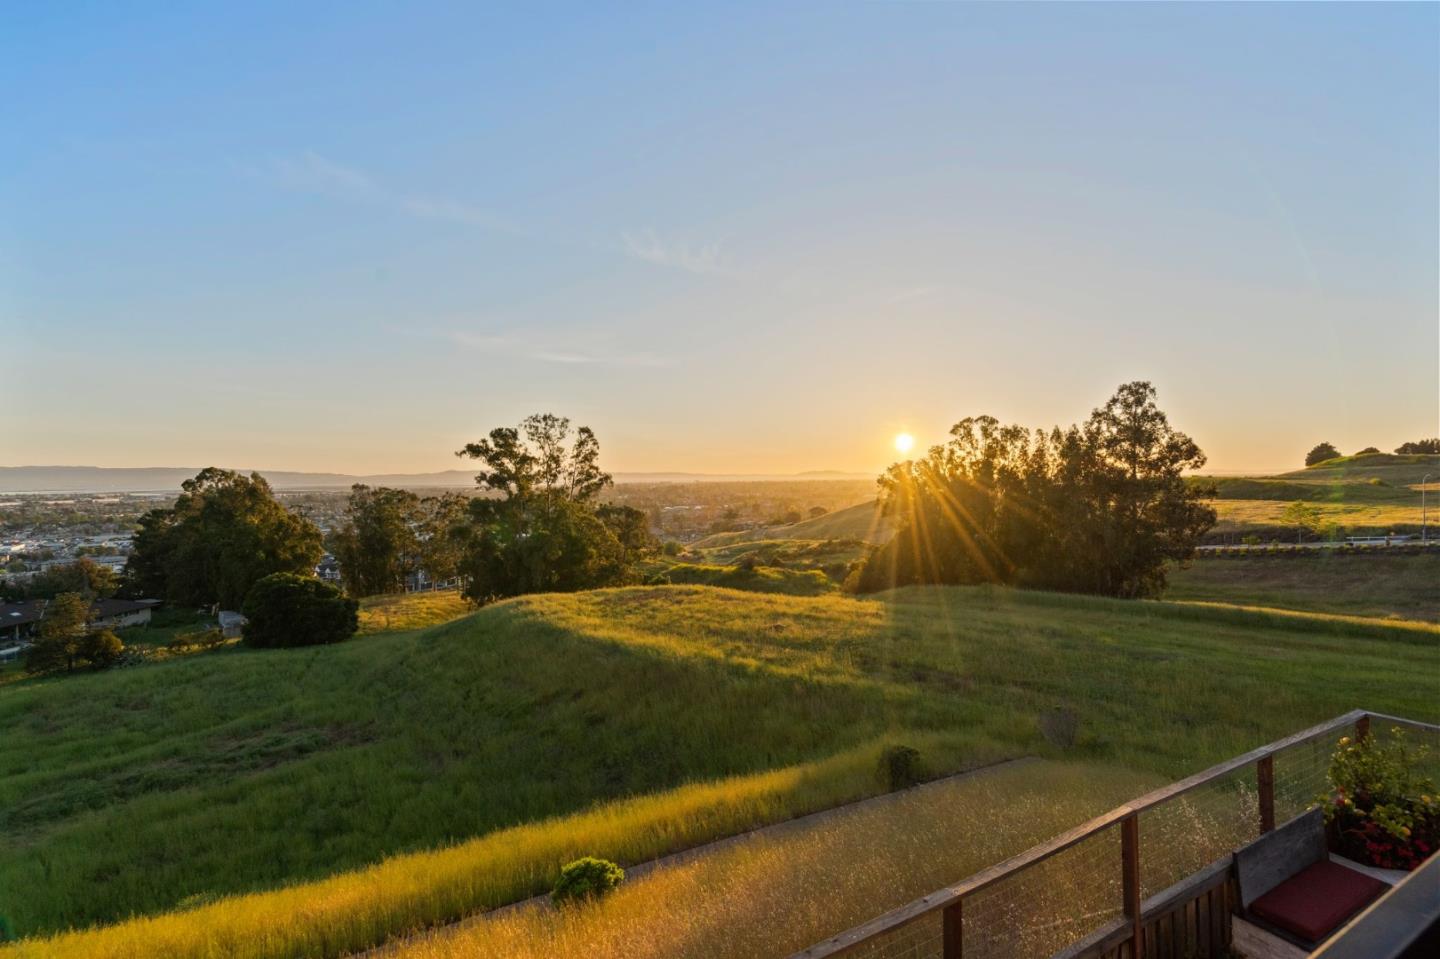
861, 522
760, 579
144, 789
1405, 587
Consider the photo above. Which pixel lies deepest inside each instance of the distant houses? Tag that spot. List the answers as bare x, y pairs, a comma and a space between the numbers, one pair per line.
20, 621
120, 613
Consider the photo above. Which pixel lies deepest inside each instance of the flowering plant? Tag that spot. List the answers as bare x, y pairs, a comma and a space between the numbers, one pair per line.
1379, 809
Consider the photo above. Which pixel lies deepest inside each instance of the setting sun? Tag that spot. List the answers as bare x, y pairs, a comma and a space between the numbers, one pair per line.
904, 442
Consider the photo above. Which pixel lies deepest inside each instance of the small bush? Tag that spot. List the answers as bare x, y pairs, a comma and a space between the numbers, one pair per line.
1380, 808
901, 767
102, 648
284, 609
586, 879
1060, 726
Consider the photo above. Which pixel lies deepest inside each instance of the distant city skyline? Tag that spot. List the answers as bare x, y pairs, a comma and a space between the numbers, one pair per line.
738, 240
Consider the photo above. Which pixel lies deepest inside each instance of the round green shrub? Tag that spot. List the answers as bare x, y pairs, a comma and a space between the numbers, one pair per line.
585, 879
284, 609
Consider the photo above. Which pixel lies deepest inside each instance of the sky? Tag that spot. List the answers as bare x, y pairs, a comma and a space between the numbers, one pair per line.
730, 238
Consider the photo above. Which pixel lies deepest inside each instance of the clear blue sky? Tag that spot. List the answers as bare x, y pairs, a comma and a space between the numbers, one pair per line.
353, 236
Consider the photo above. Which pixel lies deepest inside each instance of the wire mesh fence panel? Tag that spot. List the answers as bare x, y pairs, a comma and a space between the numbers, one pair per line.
1184, 835
1302, 775
1421, 744
919, 939
1039, 910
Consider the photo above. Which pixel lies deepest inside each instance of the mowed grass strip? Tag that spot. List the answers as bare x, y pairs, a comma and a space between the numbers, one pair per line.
773, 896
547, 705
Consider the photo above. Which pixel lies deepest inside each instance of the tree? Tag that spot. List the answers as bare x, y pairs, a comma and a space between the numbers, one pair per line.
1321, 453
1304, 516
224, 534
1367, 451
816, 511
544, 532
533, 462
61, 633
444, 529
84, 576
1098, 508
284, 609
1430, 446
378, 545
631, 528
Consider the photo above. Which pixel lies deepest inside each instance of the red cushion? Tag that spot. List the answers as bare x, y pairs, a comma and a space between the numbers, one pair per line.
1317, 899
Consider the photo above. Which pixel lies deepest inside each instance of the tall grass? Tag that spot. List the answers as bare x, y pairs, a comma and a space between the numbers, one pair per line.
773, 896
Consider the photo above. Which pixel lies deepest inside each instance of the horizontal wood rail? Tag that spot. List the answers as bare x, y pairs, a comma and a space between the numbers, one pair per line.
949, 899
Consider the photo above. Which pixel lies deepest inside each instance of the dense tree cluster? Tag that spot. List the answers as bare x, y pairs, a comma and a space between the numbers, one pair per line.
225, 532
1101, 507
545, 531
84, 576
1320, 453
391, 534
1430, 446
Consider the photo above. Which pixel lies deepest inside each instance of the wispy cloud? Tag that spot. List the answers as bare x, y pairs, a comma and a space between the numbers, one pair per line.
310, 172
648, 246
547, 350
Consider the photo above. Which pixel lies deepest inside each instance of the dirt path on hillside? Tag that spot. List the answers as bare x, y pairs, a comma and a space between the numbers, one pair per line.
764, 833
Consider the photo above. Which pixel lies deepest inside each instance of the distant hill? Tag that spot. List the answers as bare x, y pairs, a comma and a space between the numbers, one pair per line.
862, 522
1392, 468
1377, 478
104, 479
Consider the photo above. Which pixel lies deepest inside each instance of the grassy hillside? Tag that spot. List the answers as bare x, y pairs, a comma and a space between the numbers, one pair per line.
860, 522
792, 553
407, 611
1407, 587
143, 789
1390, 468
758, 579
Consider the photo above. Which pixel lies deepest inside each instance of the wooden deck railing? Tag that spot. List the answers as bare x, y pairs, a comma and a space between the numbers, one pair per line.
1127, 936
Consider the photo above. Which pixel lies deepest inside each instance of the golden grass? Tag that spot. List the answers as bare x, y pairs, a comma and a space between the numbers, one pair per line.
406, 893
1233, 513
398, 612
771, 896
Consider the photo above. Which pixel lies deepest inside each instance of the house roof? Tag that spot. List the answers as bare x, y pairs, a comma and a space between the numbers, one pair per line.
106, 608
22, 613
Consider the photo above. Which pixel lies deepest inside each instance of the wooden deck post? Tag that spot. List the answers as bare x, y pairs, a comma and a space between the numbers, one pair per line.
951, 945
1130, 881
1362, 727
1265, 780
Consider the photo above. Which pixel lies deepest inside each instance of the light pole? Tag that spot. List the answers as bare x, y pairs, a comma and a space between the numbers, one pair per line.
1424, 481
